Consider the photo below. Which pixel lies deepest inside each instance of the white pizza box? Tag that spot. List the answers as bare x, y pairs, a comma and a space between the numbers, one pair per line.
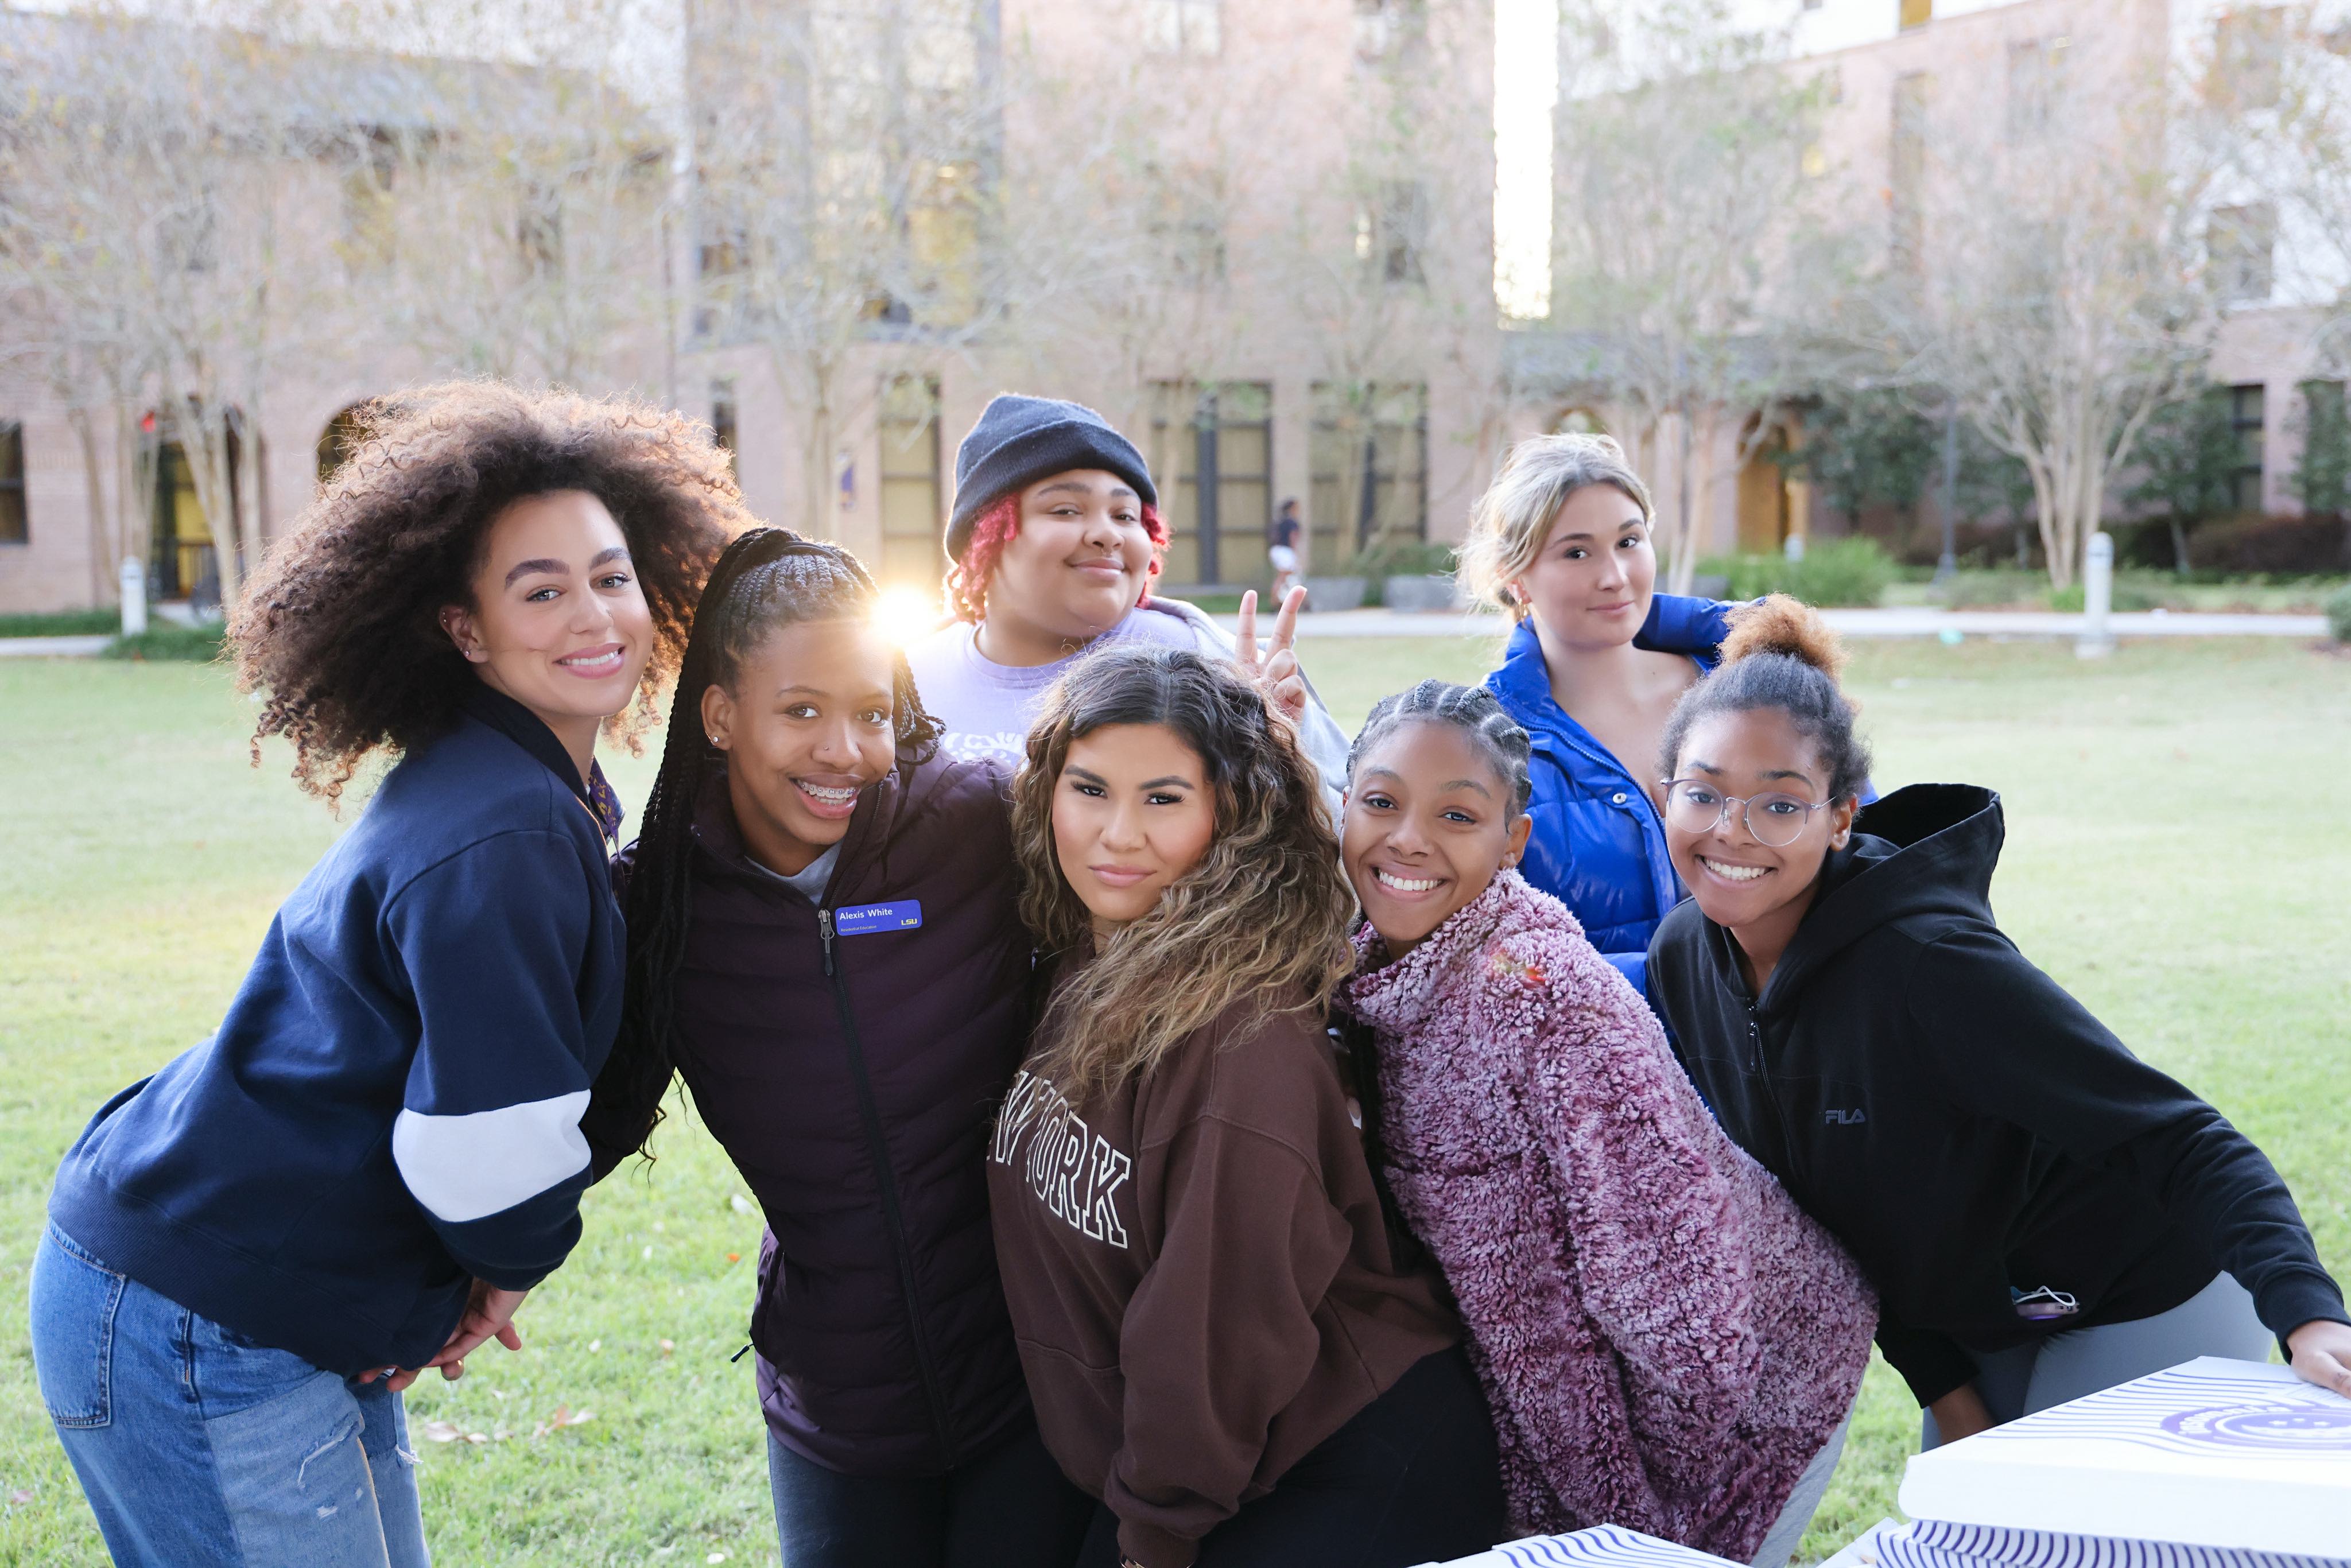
2229, 1454
1863, 1551
1935, 1543
1604, 1546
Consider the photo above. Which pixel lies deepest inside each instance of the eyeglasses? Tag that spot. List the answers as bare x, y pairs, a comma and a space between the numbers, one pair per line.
1694, 806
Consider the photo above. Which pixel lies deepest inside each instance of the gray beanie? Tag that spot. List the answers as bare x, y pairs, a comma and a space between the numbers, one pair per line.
1020, 440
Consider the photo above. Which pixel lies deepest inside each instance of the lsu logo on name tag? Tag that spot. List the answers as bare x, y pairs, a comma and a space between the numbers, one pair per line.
859, 919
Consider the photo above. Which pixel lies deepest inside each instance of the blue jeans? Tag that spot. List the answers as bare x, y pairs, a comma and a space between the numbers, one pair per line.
198, 1447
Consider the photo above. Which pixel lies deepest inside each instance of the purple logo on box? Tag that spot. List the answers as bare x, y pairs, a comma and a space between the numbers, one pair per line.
2288, 1428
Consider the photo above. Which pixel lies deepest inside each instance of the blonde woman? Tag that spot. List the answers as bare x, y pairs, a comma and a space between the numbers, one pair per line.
1220, 1343
1561, 540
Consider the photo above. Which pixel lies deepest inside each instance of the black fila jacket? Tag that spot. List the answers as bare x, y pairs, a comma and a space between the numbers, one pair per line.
1963, 1125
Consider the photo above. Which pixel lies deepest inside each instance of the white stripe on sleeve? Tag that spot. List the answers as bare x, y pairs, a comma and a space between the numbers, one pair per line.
468, 1168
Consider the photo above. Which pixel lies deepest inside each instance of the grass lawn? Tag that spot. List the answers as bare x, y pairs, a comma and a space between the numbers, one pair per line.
2177, 855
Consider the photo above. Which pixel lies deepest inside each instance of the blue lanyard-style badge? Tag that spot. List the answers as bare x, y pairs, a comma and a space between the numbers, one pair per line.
857, 920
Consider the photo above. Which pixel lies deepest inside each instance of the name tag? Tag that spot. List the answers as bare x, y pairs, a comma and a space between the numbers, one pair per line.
905, 916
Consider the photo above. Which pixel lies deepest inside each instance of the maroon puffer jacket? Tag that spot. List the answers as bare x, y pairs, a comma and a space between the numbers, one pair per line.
852, 1071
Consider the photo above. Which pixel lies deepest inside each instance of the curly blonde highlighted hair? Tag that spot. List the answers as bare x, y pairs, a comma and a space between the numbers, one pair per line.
1515, 516
1261, 923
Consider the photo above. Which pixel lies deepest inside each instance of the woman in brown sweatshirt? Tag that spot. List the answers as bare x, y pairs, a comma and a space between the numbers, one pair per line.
1219, 1343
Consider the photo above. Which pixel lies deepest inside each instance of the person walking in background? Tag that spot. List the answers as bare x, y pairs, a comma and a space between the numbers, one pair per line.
1221, 1346
825, 940
362, 1174
2043, 1214
1666, 1342
1055, 538
1281, 550
1594, 664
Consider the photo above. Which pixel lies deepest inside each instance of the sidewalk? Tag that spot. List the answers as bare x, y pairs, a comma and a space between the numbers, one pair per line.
52, 647
1903, 622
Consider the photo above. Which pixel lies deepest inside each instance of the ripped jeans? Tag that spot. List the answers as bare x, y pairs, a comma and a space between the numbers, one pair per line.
198, 1447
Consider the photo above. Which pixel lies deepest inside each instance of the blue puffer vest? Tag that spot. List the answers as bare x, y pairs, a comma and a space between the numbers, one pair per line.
1597, 845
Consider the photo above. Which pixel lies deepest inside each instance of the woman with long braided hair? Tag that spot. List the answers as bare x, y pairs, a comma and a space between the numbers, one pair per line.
824, 943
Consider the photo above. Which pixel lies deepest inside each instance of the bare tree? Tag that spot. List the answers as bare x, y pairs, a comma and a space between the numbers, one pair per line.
1683, 138
141, 237
512, 210
2056, 284
1376, 271
846, 190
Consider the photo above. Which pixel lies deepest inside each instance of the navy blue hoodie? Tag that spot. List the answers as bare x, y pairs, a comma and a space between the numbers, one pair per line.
391, 1107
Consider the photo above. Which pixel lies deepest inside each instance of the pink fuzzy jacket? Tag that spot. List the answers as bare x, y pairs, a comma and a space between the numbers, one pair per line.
1665, 1339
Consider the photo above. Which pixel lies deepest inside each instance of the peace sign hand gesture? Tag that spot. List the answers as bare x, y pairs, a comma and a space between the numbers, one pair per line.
1274, 668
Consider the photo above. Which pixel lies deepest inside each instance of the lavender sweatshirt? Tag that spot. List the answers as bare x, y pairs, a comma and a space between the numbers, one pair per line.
1665, 1339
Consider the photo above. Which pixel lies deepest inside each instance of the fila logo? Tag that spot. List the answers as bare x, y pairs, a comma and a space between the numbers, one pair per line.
1071, 1168
1852, 1118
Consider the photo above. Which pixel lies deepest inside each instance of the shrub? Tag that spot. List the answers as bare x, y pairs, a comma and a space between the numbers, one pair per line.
1995, 588
2271, 544
165, 639
61, 623
1835, 573
1411, 558
2127, 595
2338, 613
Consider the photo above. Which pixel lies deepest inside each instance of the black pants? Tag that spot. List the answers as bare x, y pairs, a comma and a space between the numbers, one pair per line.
1011, 1508
1415, 1477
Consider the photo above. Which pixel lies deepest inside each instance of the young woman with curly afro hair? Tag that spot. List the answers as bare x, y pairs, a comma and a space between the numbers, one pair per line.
362, 1172
1055, 540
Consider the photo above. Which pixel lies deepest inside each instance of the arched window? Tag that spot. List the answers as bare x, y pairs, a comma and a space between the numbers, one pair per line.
1578, 422
338, 441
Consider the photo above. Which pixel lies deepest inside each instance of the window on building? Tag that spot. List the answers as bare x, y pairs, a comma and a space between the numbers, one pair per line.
1188, 224
1915, 12
2246, 405
538, 231
15, 529
1392, 231
1905, 174
1369, 459
943, 243
2036, 80
1182, 26
913, 513
1217, 442
188, 234
722, 419
371, 233
2241, 244
338, 442
1388, 29
2248, 56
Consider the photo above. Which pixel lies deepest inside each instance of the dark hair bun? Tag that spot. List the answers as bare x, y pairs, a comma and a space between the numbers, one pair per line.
1779, 624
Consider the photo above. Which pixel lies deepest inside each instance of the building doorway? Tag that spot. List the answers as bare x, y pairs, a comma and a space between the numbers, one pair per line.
338, 441
184, 565
1216, 441
1765, 517
914, 549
